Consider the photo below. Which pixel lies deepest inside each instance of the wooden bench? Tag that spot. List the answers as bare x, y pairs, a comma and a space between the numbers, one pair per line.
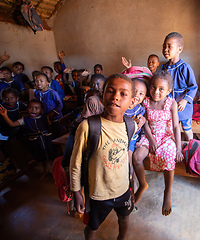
179, 170
195, 127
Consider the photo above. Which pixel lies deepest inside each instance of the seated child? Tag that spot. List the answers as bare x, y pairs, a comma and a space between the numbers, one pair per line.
162, 139
53, 84
7, 81
59, 77
37, 129
108, 168
52, 104
14, 108
18, 74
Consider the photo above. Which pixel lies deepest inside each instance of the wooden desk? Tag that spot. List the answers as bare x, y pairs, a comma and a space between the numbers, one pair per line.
61, 141
70, 102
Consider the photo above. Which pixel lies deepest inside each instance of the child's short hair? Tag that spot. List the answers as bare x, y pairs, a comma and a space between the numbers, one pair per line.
98, 76
18, 63
99, 66
118, 75
177, 36
153, 55
141, 81
165, 76
43, 74
5, 69
51, 69
35, 101
14, 91
57, 62
75, 71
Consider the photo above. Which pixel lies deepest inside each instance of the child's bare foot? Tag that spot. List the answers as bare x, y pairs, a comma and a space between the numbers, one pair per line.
167, 205
140, 191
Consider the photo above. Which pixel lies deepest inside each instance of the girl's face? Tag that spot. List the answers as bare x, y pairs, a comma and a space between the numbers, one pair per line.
139, 91
18, 69
75, 76
97, 70
159, 89
41, 83
48, 72
57, 68
10, 99
34, 109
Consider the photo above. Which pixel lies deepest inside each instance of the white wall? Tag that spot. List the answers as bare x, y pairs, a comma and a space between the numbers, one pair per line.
33, 50
102, 31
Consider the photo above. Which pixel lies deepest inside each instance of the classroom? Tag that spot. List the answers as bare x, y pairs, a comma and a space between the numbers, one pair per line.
79, 35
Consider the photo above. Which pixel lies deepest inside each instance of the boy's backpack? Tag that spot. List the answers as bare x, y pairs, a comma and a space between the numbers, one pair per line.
192, 157
94, 123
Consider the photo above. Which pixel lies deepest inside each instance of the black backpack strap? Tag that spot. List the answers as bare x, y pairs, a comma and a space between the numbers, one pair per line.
130, 127
94, 131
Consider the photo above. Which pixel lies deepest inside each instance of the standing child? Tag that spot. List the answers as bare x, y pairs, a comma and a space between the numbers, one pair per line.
7, 81
51, 102
108, 168
37, 129
185, 85
162, 140
14, 108
53, 83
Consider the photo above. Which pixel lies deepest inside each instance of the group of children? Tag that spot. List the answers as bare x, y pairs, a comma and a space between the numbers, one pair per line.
170, 92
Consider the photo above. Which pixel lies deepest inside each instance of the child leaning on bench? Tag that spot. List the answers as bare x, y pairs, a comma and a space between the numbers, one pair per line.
162, 139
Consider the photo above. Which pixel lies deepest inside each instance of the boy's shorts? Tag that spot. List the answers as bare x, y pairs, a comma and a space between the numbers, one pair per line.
186, 124
99, 210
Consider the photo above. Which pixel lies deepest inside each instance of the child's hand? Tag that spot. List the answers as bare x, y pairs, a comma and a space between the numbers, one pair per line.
179, 156
127, 64
2, 75
86, 72
140, 120
79, 204
68, 69
3, 111
153, 146
5, 57
50, 115
181, 105
61, 54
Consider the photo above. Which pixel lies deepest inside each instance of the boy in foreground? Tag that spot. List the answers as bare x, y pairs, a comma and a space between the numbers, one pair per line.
108, 168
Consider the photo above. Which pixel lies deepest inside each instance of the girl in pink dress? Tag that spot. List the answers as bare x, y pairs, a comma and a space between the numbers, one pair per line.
162, 139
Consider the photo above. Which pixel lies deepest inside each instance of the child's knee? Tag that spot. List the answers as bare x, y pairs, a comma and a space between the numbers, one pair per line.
123, 219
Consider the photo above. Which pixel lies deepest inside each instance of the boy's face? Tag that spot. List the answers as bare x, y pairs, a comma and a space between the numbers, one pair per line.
75, 76
153, 63
34, 109
17, 69
48, 72
139, 92
7, 75
57, 68
117, 98
97, 70
97, 84
10, 99
41, 83
171, 49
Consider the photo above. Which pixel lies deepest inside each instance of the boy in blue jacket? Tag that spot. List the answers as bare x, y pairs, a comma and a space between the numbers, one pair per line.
185, 86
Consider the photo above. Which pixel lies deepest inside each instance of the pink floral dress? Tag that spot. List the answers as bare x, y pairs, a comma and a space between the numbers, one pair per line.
160, 123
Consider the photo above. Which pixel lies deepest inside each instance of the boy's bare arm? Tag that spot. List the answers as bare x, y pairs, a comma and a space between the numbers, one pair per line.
4, 58
79, 204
